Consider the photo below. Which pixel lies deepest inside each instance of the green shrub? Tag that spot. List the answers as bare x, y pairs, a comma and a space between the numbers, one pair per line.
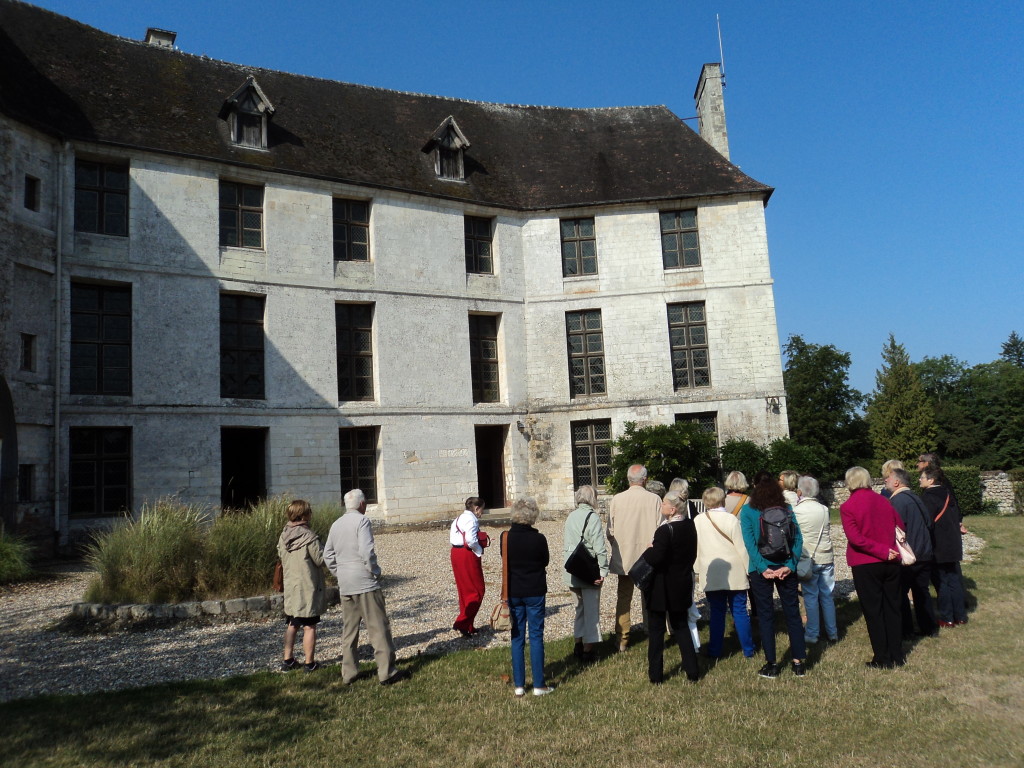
990, 507
785, 453
966, 482
151, 559
15, 554
681, 449
744, 456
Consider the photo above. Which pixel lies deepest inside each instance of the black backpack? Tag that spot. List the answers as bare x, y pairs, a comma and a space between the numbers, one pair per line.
777, 534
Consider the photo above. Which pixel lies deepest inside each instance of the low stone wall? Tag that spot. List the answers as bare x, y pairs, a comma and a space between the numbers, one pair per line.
995, 486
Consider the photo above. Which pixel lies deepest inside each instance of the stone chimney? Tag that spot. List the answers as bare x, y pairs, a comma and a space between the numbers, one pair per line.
160, 37
711, 108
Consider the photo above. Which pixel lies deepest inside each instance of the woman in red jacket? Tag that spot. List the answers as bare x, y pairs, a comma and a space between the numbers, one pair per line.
870, 524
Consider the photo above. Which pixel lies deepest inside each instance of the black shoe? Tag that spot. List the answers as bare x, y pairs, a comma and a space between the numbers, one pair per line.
577, 650
799, 668
769, 670
396, 678
289, 664
311, 667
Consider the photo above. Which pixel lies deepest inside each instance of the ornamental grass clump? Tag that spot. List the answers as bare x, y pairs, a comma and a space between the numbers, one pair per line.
15, 555
151, 559
241, 549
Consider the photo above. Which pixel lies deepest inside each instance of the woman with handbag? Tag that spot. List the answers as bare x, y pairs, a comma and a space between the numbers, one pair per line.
670, 591
820, 579
583, 530
525, 551
721, 566
468, 542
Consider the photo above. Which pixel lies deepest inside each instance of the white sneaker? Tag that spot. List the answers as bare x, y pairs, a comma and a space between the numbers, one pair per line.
520, 692
541, 691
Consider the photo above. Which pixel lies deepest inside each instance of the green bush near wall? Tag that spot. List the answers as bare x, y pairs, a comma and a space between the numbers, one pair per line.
966, 482
15, 556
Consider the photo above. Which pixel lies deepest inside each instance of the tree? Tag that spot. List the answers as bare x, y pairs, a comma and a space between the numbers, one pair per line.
946, 383
1013, 350
744, 456
901, 421
682, 449
821, 403
996, 392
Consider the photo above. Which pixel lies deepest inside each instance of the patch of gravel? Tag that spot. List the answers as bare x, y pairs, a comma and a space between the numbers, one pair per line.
36, 659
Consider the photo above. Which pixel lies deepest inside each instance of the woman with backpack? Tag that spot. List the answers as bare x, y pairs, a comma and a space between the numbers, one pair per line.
774, 544
870, 522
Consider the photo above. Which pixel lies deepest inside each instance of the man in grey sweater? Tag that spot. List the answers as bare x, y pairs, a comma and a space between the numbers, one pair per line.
350, 556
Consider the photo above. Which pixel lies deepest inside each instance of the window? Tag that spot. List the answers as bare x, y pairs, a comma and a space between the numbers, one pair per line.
478, 246
241, 346
358, 456
579, 247
351, 230
586, 352
101, 339
688, 337
248, 111
241, 215
101, 198
707, 421
447, 145
31, 193
591, 452
449, 163
679, 244
26, 482
483, 357
354, 325
28, 352
100, 470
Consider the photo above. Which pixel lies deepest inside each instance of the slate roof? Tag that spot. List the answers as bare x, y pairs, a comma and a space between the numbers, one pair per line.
79, 83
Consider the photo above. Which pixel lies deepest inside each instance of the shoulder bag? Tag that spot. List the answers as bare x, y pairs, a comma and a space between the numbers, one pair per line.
501, 619
277, 583
907, 556
642, 572
805, 565
581, 563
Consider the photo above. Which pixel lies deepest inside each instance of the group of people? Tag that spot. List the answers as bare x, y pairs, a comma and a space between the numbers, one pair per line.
748, 542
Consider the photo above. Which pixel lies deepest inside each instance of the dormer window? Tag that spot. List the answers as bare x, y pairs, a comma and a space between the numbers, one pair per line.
448, 145
247, 111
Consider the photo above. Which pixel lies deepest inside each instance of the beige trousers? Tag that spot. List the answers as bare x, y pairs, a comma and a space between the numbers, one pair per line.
368, 606
623, 600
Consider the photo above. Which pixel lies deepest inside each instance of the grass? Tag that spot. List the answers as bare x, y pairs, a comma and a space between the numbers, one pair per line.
15, 558
958, 702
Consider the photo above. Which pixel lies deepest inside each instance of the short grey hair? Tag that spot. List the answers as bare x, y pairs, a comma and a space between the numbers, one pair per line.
680, 486
656, 486
354, 499
677, 500
636, 474
713, 497
736, 481
524, 511
857, 478
808, 486
586, 494
901, 475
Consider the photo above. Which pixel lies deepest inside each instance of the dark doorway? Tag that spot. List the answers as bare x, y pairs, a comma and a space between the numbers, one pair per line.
8, 457
243, 466
490, 464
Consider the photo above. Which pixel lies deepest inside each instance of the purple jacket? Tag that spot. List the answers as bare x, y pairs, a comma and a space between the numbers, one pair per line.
870, 524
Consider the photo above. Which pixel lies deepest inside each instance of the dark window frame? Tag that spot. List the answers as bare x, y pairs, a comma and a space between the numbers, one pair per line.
26, 483
450, 163
353, 326
91, 492
678, 249
574, 246
28, 352
351, 221
688, 345
110, 210
597, 467
585, 349
101, 339
484, 358
236, 215
707, 420
32, 196
479, 232
242, 350
355, 444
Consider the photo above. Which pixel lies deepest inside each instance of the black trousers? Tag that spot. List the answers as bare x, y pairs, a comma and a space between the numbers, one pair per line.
878, 589
656, 643
915, 579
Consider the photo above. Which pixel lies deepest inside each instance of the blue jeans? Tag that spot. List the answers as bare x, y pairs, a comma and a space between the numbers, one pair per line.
951, 598
762, 592
527, 614
721, 600
818, 598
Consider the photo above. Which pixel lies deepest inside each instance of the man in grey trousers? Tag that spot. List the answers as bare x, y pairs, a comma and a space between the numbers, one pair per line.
350, 556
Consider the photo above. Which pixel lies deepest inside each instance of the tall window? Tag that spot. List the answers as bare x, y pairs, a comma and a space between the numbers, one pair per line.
99, 477
579, 247
351, 230
101, 198
28, 352
241, 346
358, 457
707, 421
680, 246
586, 352
354, 325
31, 199
591, 452
483, 357
478, 245
241, 215
101, 339
688, 336
26, 482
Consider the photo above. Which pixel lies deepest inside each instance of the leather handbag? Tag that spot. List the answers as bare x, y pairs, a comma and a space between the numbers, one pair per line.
277, 582
907, 556
501, 617
642, 574
581, 563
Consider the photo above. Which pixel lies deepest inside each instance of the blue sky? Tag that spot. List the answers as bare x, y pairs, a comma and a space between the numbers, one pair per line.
891, 131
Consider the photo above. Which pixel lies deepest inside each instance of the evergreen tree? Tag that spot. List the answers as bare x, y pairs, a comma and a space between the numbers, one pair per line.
948, 383
901, 421
1013, 350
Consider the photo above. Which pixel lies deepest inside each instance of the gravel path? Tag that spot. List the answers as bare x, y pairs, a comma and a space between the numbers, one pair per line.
421, 598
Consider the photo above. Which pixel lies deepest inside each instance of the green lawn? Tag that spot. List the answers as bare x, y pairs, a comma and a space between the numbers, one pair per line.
958, 702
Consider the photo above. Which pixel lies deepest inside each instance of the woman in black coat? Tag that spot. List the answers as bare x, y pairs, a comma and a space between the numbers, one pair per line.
670, 593
949, 547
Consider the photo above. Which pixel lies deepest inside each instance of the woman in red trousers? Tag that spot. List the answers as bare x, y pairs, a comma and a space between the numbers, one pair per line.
467, 550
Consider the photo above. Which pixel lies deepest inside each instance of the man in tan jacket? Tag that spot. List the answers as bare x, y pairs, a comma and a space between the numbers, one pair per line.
632, 517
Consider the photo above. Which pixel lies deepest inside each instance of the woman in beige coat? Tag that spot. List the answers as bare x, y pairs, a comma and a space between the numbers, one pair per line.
722, 562
302, 559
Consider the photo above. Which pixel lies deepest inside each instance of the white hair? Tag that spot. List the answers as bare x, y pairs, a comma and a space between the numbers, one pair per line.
354, 499
636, 474
680, 486
808, 486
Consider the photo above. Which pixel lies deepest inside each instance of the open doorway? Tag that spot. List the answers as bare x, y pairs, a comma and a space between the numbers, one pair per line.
490, 464
243, 466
